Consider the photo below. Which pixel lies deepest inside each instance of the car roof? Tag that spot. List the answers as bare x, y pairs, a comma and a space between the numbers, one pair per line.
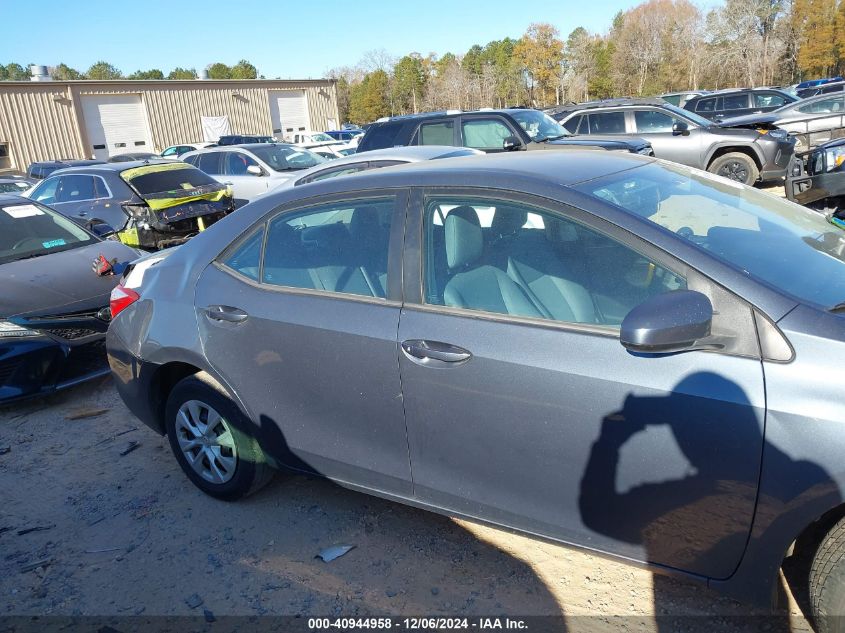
114, 167
246, 146
608, 103
70, 161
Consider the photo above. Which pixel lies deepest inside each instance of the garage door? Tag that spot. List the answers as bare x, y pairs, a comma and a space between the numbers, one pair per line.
289, 112
116, 124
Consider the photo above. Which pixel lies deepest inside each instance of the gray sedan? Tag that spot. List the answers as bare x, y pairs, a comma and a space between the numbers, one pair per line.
600, 348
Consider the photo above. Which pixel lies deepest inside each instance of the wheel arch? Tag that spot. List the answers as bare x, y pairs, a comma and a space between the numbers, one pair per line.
721, 150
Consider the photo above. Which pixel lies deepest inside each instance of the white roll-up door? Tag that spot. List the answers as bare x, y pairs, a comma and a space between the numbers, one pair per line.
116, 124
289, 112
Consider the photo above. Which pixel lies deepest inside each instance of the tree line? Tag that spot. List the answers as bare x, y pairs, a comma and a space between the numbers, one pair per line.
103, 70
655, 47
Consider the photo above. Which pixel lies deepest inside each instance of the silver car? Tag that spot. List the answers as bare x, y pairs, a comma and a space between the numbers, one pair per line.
601, 348
253, 169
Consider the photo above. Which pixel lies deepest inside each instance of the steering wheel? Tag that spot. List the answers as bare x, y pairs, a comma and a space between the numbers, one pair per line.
26, 240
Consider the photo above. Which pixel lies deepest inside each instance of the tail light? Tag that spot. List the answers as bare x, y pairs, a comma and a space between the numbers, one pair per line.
121, 298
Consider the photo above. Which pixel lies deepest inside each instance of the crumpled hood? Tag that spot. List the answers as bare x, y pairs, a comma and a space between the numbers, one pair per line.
749, 119
58, 279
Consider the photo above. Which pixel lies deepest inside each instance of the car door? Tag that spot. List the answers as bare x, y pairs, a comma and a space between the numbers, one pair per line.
655, 126
734, 105
523, 408
299, 318
246, 185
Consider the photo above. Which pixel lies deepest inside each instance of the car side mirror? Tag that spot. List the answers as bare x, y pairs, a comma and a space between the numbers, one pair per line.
511, 143
101, 229
680, 128
675, 321
255, 170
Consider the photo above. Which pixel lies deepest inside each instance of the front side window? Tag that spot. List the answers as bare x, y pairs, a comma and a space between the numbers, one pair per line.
338, 247
768, 100
208, 162
777, 242
571, 125
46, 191
440, 133
486, 134
652, 122
509, 258
236, 164
607, 123
539, 125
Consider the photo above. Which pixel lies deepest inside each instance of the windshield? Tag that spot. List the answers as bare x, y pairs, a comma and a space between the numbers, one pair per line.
767, 238
689, 115
539, 125
30, 230
286, 158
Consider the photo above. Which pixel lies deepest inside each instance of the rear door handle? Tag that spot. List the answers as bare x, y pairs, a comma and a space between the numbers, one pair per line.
226, 313
423, 352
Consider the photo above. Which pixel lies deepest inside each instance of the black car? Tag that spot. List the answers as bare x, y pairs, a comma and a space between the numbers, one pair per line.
40, 170
131, 156
241, 139
489, 131
54, 309
823, 89
728, 103
817, 179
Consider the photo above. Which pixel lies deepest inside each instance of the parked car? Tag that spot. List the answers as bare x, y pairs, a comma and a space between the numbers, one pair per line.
175, 151
322, 144
345, 135
614, 309
241, 139
823, 89
376, 159
684, 137
253, 169
811, 121
15, 184
816, 82
817, 179
729, 103
489, 131
149, 205
134, 156
53, 308
40, 170
680, 98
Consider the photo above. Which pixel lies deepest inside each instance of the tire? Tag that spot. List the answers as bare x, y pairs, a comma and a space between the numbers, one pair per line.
223, 460
735, 166
827, 582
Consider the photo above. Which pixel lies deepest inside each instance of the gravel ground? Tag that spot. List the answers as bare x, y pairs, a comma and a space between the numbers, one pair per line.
123, 535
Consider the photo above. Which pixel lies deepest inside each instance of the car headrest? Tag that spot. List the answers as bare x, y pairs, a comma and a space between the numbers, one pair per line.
508, 220
464, 240
364, 224
559, 231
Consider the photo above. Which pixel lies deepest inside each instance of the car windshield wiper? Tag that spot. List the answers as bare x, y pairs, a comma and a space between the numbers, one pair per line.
20, 259
839, 307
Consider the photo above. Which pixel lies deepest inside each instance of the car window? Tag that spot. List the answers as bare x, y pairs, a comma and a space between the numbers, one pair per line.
673, 99
46, 191
167, 178
236, 163
30, 229
768, 100
245, 258
607, 123
651, 122
822, 106
484, 133
834, 88
287, 157
14, 187
209, 163
338, 247
735, 102
531, 262
784, 245
706, 105
76, 187
439, 133
171, 151
571, 125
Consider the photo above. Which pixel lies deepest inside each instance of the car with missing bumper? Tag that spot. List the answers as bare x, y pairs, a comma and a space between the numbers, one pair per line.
54, 310
513, 339
150, 205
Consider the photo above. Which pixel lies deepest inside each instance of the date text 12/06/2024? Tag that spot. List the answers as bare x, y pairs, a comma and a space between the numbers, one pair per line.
417, 624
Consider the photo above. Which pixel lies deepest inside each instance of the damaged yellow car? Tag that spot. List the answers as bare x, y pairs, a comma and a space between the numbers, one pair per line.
149, 205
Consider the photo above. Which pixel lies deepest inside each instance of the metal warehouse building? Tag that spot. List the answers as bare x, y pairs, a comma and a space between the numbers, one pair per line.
45, 120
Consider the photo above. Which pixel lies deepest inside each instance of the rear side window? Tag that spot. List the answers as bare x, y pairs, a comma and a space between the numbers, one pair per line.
338, 247
571, 125
440, 133
381, 135
246, 257
735, 102
706, 105
209, 163
768, 100
76, 188
607, 123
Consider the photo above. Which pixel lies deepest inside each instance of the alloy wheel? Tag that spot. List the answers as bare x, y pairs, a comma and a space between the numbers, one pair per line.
206, 441
735, 170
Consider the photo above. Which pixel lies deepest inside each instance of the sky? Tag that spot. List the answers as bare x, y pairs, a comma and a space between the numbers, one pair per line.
300, 40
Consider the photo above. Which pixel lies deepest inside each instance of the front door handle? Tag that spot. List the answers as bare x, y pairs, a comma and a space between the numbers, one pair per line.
226, 313
424, 352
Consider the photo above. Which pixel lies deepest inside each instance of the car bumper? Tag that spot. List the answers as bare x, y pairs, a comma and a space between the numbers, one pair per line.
807, 189
134, 379
38, 366
777, 156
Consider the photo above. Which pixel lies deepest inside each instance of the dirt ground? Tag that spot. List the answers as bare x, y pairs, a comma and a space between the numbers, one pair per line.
127, 534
